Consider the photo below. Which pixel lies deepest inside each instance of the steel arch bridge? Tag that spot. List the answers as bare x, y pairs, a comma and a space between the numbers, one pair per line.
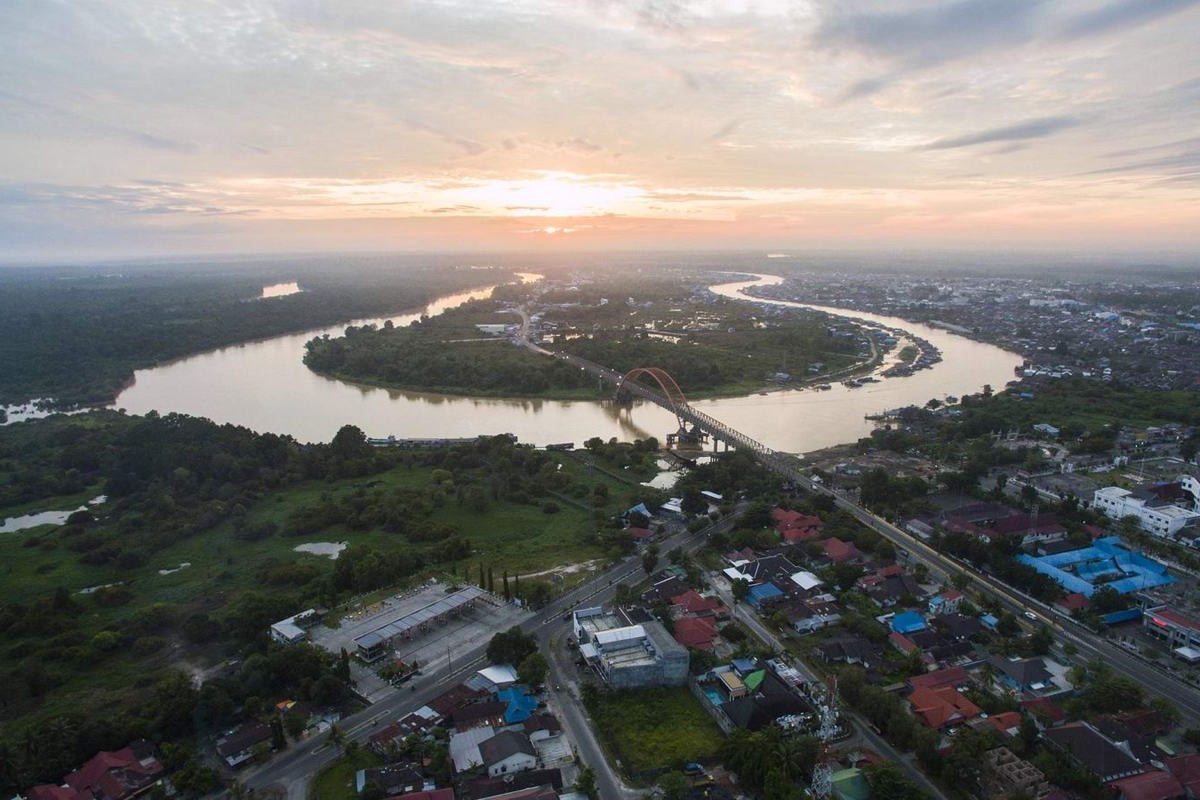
675, 399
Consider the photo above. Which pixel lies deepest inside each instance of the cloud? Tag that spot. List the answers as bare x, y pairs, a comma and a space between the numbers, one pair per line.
1030, 129
579, 145
931, 35
83, 125
725, 130
1121, 16
471, 148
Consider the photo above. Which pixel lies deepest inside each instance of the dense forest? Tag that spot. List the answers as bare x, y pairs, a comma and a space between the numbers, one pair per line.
75, 335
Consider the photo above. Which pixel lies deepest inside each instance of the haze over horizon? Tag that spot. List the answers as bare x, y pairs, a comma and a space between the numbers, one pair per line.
133, 129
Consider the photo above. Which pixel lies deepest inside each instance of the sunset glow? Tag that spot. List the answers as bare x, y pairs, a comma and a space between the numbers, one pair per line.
767, 125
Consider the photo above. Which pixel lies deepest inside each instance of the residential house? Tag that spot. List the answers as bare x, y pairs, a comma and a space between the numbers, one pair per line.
1021, 674
427, 794
838, 551
907, 622
692, 603
397, 778
507, 752
488, 714
806, 616
942, 708
945, 603
484, 787
108, 775
696, 633
1187, 770
951, 676
1090, 750
1152, 785
238, 746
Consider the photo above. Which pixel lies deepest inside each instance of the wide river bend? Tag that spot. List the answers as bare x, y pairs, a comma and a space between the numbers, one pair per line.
265, 386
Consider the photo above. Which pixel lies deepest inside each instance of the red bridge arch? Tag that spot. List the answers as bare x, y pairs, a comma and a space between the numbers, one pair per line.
670, 388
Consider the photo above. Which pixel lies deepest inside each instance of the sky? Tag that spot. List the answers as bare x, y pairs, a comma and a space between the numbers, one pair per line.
136, 128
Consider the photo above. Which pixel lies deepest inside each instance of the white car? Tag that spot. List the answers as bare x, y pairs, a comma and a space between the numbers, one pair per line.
1030, 615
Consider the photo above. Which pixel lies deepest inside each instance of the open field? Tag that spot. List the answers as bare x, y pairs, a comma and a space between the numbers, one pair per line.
650, 729
336, 782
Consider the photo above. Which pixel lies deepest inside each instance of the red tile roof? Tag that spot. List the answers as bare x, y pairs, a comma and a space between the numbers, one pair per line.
693, 603
1074, 602
695, 632
902, 642
639, 533
1005, 721
950, 676
837, 550
1186, 769
1045, 708
1150, 786
436, 794
938, 708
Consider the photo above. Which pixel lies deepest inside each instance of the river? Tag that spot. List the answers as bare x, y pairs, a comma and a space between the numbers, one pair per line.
265, 386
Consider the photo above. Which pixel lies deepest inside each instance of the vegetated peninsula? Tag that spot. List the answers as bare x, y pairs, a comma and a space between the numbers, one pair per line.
72, 336
710, 345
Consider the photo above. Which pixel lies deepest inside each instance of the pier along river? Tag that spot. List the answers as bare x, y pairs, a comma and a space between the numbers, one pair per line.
265, 386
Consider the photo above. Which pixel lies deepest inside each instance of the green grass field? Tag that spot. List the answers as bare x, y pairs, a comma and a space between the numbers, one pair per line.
651, 729
336, 782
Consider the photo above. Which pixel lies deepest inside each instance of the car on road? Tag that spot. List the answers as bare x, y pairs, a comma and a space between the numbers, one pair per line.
1030, 615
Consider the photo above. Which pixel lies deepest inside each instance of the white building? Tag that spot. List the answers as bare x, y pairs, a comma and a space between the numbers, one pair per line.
290, 630
1154, 516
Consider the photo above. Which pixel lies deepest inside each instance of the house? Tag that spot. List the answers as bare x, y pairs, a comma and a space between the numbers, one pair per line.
1021, 674
907, 622
891, 590
801, 527
957, 627
640, 535
1090, 750
108, 775
541, 726
806, 581
663, 590
1153, 785
951, 676
1046, 712
519, 704
237, 746
486, 787
449, 701
763, 593
1187, 770
464, 748
806, 616
696, 633
694, 604
838, 551
489, 714
942, 708
851, 650
766, 699
506, 752
397, 778
945, 603
1006, 723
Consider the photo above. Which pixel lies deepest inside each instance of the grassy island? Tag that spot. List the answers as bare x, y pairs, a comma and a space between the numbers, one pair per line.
712, 347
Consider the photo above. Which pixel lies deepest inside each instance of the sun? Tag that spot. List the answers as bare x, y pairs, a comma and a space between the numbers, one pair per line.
553, 195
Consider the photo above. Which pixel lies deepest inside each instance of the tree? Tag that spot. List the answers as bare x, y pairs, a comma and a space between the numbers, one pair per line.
532, 669
674, 786
511, 646
740, 588
335, 738
585, 783
278, 740
649, 560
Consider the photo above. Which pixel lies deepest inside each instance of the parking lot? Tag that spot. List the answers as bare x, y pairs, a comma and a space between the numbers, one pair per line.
447, 641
